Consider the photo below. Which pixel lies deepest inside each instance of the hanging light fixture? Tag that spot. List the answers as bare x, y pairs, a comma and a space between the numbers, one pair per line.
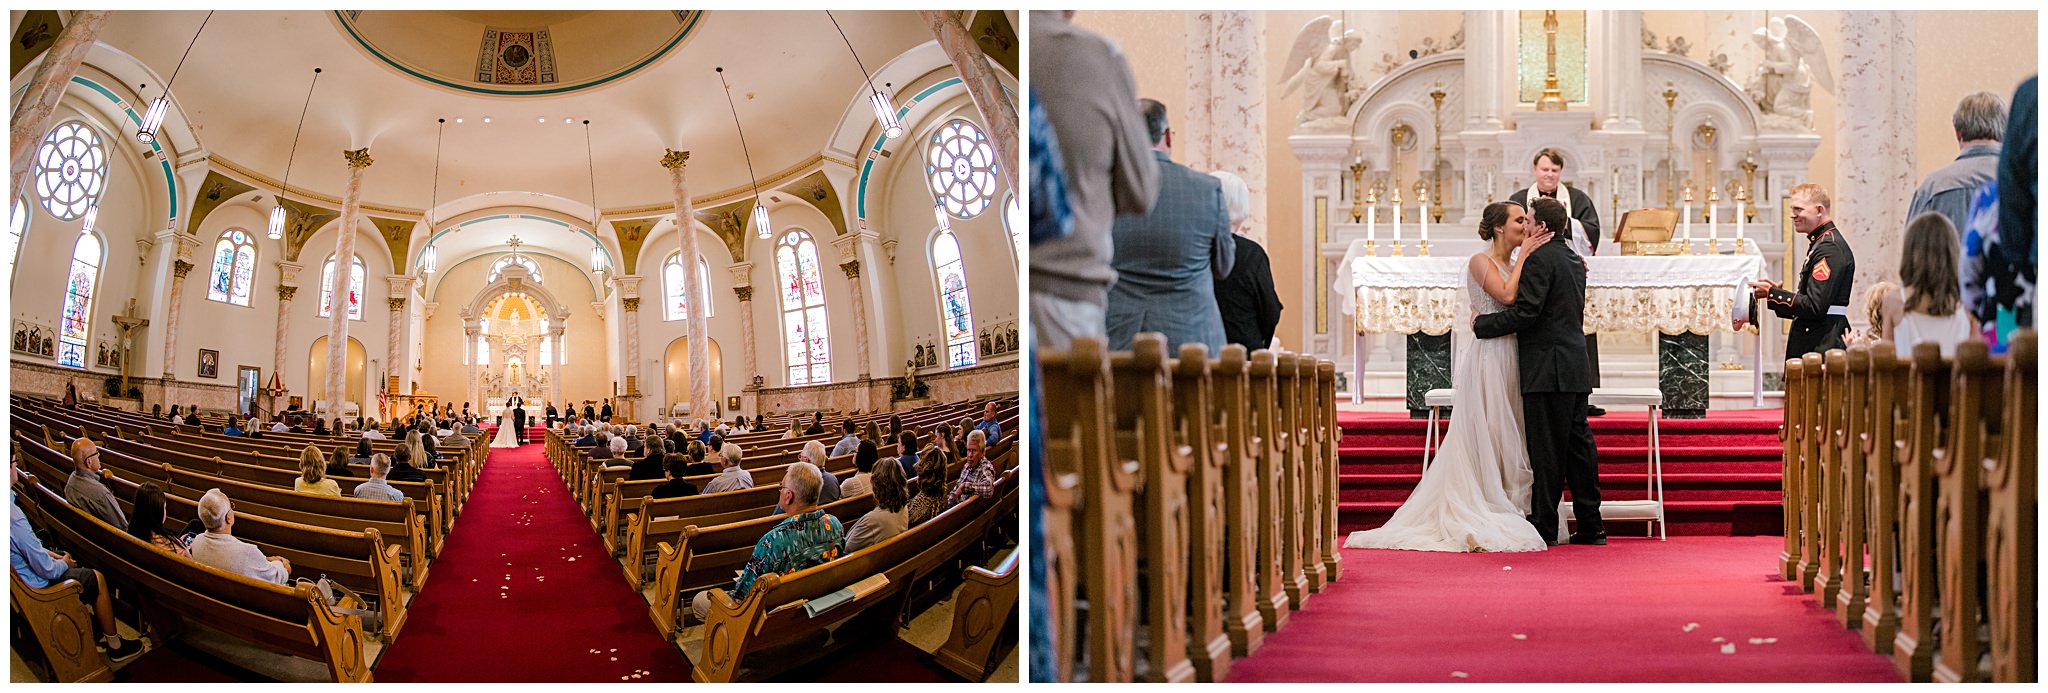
277, 213
590, 156
429, 258
885, 110
161, 105
761, 228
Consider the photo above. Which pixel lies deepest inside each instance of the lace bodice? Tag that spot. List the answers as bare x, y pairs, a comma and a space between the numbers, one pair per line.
1482, 302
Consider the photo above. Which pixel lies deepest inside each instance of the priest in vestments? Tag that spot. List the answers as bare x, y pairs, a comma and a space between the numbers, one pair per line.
1584, 236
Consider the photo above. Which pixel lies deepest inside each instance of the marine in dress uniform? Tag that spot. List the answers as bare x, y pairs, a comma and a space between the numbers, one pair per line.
1820, 309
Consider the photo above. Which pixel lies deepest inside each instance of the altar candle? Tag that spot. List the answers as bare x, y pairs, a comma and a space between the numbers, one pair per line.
1713, 220
1397, 216
1687, 216
1422, 212
1739, 195
1489, 183
1372, 221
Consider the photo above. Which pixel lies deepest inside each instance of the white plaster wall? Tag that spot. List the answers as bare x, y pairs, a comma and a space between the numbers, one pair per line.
242, 335
656, 331
307, 324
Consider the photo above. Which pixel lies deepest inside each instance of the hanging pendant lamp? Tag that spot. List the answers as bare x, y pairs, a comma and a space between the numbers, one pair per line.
161, 105
429, 258
885, 110
761, 228
276, 230
597, 265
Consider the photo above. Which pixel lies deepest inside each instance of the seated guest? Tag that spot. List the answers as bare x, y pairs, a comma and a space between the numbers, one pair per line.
847, 443
84, 489
760, 422
828, 489
895, 426
888, 518
252, 428
39, 567
336, 429
817, 427
219, 548
708, 433
278, 426
372, 431
362, 455
320, 427
298, 425
312, 475
377, 488
992, 429
697, 464
469, 427
401, 466
633, 441
739, 423
337, 463
605, 450
795, 427
906, 449
733, 477
960, 443
455, 441
192, 415
678, 439
156, 411
147, 522
652, 464
977, 473
808, 537
430, 447
1932, 301
864, 458
931, 490
588, 439
676, 486
233, 429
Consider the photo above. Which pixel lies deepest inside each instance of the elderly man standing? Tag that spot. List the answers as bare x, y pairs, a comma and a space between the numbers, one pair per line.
1084, 85
1167, 261
1980, 125
808, 537
219, 548
1250, 306
83, 488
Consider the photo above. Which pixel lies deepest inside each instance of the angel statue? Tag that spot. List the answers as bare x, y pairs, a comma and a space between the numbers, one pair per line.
1793, 63
1319, 66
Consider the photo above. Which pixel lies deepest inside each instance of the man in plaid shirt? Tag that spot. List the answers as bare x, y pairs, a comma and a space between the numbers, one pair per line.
808, 537
977, 473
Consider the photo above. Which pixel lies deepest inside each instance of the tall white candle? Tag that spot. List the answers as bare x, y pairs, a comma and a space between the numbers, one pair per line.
1422, 212
1489, 184
1738, 215
1687, 216
1397, 217
1713, 219
1372, 221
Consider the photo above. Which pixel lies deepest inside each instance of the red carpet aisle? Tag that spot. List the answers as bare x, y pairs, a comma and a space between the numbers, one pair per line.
1694, 609
524, 592
1720, 473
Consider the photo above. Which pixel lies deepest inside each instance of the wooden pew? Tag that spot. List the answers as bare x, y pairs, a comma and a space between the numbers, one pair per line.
1854, 591
1267, 427
290, 620
1143, 407
1913, 647
62, 625
1828, 493
1079, 468
1882, 445
1307, 422
1326, 409
1198, 422
1793, 436
1242, 622
707, 556
1810, 473
2014, 532
1974, 422
982, 614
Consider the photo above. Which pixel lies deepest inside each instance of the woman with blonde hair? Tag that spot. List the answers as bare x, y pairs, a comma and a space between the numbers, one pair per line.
1931, 308
313, 474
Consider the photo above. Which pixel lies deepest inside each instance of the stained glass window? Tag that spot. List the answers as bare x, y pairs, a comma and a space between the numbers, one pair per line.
532, 268
1013, 222
355, 289
234, 268
70, 170
961, 168
677, 303
953, 307
17, 228
804, 333
76, 324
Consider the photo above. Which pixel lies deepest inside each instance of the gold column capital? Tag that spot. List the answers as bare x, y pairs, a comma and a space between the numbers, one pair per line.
358, 158
284, 293
674, 159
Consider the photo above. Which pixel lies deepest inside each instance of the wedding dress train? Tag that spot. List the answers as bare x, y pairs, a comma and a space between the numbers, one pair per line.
504, 439
1475, 494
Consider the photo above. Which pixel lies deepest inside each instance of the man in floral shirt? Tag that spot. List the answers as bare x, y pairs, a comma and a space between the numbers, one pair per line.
808, 537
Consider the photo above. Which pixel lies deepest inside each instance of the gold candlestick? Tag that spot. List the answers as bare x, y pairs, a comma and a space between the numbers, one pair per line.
1670, 145
1553, 98
1436, 167
1357, 188
1748, 167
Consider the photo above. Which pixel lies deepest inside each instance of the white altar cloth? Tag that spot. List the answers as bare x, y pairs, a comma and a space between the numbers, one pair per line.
1634, 293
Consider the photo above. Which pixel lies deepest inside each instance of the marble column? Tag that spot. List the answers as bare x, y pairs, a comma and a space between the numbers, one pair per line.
555, 362
394, 356
344, 250
1226, 100
998, 112
743, 289
181, 266
1874, 130
630, 369
39, 99
287, 287
1621, 61
1487, 40
470, 328
695, 325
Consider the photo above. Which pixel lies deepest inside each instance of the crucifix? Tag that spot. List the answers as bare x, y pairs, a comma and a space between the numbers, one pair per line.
128, 324
514, 242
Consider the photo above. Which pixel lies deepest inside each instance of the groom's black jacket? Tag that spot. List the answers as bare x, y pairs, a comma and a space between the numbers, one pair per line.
1549, 316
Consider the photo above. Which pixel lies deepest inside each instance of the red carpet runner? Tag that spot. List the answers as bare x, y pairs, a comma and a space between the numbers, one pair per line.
1694, 609
524, 592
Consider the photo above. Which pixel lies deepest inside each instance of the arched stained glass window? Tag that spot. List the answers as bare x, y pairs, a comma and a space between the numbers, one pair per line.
961, 168
355, 289
17, 228
953, 308
70, 170
804, 334
677, 301
532, 268
234, 268
76, 324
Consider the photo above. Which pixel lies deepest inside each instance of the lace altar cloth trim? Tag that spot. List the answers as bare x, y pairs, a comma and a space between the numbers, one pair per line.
1672, 294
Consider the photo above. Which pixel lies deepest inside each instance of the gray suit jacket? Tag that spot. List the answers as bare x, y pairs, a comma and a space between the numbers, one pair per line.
1167, 263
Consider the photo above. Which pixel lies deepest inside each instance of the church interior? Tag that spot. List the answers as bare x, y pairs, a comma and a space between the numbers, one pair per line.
1774, 514
452, 255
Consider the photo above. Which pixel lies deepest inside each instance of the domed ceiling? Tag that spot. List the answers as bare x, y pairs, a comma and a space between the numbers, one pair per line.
518, 52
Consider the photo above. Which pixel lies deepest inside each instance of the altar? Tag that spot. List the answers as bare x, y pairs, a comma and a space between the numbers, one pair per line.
1680, 298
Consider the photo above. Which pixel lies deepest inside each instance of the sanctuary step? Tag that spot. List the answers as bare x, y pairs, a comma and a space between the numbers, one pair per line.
1721, 474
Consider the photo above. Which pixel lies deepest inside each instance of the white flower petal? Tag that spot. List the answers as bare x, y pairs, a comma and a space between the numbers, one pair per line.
1521, 636
1690, 627
1728, 648
1460, 675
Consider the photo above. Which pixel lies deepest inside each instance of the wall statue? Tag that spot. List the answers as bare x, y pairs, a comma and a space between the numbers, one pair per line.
1793, 62
1319, 66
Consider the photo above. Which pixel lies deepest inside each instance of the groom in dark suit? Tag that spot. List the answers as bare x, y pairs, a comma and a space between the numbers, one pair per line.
518, 406
1549, 316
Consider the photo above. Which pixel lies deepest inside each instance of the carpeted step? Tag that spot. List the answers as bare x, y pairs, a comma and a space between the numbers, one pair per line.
1686, 517
1608, 451
1614, 486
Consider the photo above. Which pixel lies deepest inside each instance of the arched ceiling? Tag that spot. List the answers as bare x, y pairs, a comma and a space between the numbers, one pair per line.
245, 83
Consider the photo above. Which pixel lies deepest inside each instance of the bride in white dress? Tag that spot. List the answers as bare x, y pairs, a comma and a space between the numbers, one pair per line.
504, 437
1475, 495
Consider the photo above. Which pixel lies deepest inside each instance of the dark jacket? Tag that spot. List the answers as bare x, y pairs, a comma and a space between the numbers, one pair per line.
1548, 319
1250, 306
1820, 310
673, 488
405, 472
1583, 211
645, 468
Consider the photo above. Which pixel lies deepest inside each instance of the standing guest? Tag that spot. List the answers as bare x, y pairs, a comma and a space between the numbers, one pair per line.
312, 475
377, 488
551, 413
847, 443
733, 477
864, 459
906, 452
84, 489
39, 567
676, 486
589, 412
219, 548
1167, 260
401, 466
808, 537
1932, 301
652, 464
888, 518
337, 463
1820, 311
1090, 98
977, 473
1250, 306
604, 413
931, 490
2018, 183
150, 516
1979, 123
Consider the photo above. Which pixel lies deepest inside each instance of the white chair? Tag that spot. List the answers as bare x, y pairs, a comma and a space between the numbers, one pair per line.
1436, 400
1652, 509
